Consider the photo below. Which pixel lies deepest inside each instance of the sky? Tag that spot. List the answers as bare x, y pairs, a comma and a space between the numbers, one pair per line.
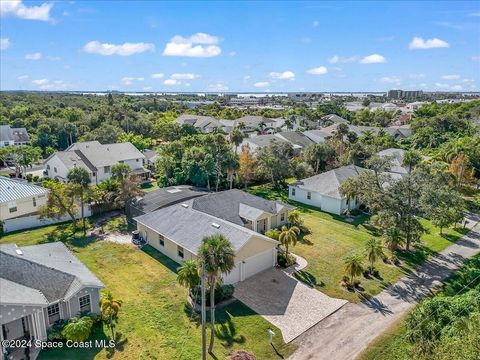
240, 46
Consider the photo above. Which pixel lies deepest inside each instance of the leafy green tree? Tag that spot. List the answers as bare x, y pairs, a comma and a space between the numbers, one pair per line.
138, 141
78, 328
109, 307
274, 160
217, 254
318, 156
120, 171
80, 178
353, 267
22, 156
373, 251
60, 202
393, 238
198, 166
187, 274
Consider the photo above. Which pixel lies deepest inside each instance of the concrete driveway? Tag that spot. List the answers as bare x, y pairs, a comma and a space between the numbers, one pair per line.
285, 302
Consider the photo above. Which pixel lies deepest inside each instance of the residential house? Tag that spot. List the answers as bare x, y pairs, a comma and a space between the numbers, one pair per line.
334, 119
41, 284
317, 136
297, 139
177, 230
13, 136
151, 157
20, 202
323, 190
203, 124
396, 155
398, 132
98, 159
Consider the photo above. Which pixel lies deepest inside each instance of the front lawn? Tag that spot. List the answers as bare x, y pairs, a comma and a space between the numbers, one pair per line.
333, 238
154, 322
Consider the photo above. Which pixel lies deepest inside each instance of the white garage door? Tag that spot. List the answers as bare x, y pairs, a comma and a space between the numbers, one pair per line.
259, 262
234, 276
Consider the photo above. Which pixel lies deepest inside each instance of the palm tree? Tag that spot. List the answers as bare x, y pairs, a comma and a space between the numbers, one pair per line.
216, 253
288, 235
411, 158
188, 275
353, 266
294, 218
374, 251
110, 308
393, 238
81, 178
236, 137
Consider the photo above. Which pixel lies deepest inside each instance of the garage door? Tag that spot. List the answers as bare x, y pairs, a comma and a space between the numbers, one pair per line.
234, 276
259, 262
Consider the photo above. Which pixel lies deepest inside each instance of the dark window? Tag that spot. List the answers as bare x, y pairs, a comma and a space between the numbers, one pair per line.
161, 240
55, 169
180, 251
53, 310
48, 167
282, 217
34, 202
106, 169
12, 206
293, 191
84, 303
309, 195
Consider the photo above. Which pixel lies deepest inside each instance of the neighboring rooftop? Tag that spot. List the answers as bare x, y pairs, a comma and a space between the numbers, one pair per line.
230, 205
335, 119
17, 135
106, 154
397, 159
296, 138
14, 189
187, 227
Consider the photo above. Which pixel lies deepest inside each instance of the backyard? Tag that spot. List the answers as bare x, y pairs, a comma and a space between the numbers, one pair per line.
154, 322
333, 238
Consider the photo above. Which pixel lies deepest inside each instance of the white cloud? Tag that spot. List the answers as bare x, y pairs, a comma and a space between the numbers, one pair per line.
158, 75
23, 77
40, 81
127, 80
197, 45
246, 77
451, 77
286, 75
4, 43
184, 76
468, 81
18, 9
417, 76
171, 82
126, 49
373, 59
420, 43
219, 86
340, 59
232, 53
33, 56
315, 23
391, 80
321, 70
261, 84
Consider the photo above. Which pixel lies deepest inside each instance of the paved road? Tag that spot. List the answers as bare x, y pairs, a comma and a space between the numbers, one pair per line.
346, 333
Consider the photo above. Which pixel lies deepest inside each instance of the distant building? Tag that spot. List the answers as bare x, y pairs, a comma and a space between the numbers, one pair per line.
401, 94
246, 101
13, 136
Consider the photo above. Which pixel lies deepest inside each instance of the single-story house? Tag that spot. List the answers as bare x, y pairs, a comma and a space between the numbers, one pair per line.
397, 160
20, 202
13, 136
203, 124
334, 119
41, 284
323, 190
177, 230
97, 159
161, 198
297, 139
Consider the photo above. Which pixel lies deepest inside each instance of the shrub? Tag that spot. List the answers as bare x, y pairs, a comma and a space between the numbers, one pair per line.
355, 212
222, 292
345, 282
394, 259
242, 355
36, 178
78, 328
29, 177
283, 261
54, 333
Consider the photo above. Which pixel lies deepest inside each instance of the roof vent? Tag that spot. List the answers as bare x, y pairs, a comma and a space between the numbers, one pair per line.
215, 225
185, 205
19, 252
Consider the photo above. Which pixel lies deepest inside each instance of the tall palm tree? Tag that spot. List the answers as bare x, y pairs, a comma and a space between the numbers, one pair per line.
288, 236
110, 308
374, 251
393, 238
188, 275
294, 218
411, 158
81, 178
236, 137
216, 252
353, 266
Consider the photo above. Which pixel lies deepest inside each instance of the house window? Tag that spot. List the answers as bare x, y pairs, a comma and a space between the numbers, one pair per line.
34, 202
48, 167
348, 201
54, 169
282, 217
84, 303
180, 252
106, 169
137, 160
12, 206
309, 195
94, 174
161, 240
293, 191
53, 312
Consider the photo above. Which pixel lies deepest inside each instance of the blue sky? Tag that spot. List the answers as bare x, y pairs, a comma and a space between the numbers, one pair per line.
240, 46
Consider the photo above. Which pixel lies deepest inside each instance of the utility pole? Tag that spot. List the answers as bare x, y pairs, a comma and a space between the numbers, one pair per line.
204, 313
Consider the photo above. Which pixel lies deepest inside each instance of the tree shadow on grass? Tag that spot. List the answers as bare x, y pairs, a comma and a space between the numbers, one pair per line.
226, 332
157, 255
120, 342
307, 278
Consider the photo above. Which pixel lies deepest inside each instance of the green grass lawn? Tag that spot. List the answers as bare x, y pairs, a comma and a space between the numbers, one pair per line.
150, 186
333, 238
154, 322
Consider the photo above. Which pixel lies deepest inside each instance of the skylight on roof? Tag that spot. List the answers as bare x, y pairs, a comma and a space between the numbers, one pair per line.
19, 252
185, 205
173, 191
215, 225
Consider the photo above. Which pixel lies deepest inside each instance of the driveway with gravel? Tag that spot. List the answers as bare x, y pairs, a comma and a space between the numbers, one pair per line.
285, 302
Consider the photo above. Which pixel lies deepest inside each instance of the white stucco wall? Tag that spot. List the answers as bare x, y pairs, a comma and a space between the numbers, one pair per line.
325, 203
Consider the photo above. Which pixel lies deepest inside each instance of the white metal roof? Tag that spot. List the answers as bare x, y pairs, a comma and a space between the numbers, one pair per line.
13, 189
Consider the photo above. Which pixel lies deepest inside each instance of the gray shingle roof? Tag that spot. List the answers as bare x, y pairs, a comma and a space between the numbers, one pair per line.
264, 140
49, 268
336, 119
18, 135
13, 189
187, 227
226, 205
13, 293
100, 155
296, 138
328, 183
